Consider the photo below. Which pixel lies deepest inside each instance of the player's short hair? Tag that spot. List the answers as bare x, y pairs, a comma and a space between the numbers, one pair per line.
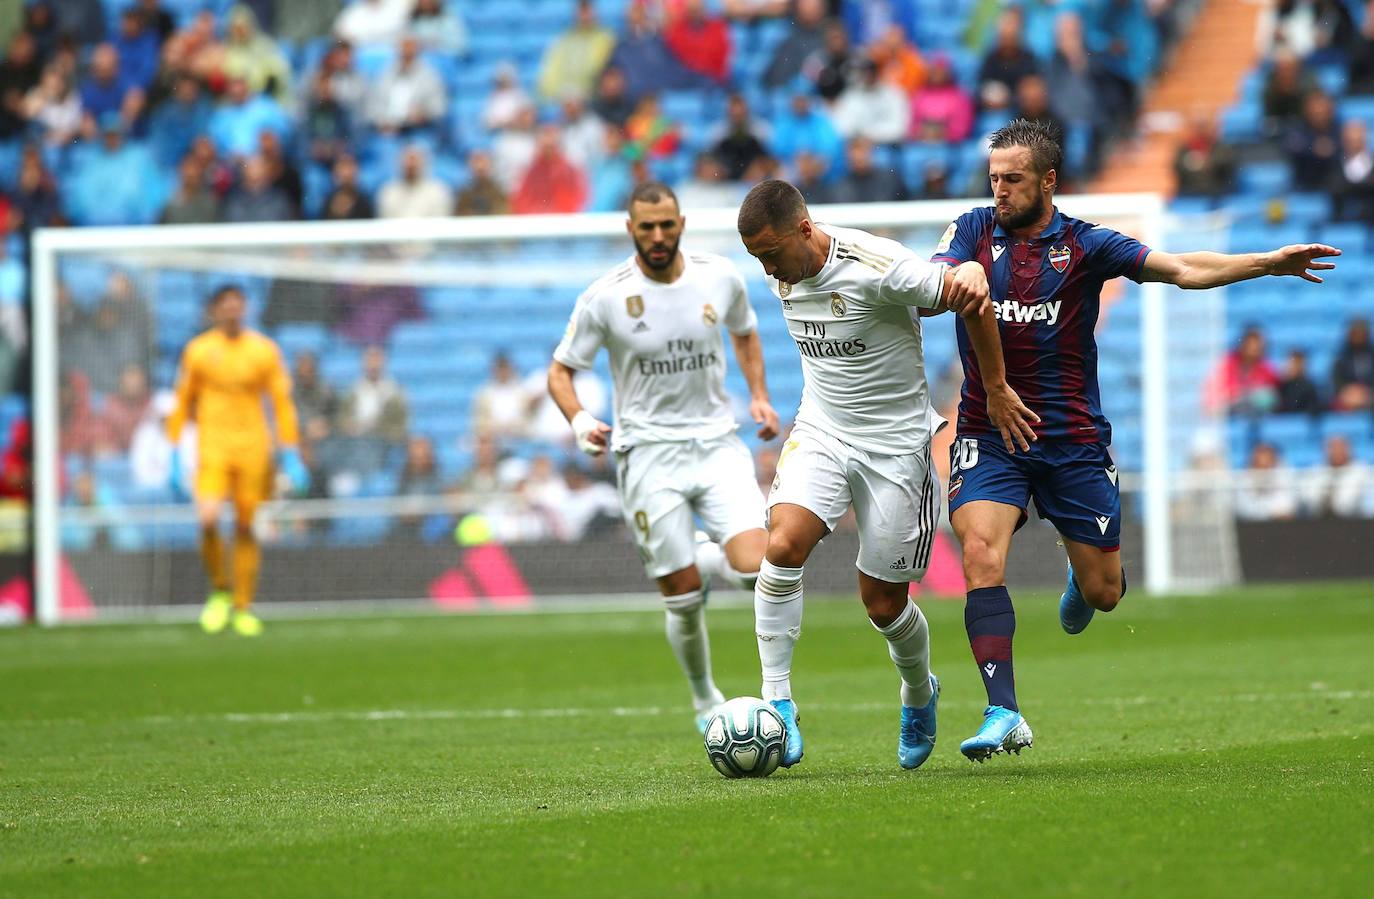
223, 291
1041, 138
771, 204
652, 192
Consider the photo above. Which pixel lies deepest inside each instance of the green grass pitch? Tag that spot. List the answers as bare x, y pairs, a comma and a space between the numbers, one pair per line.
1205, 746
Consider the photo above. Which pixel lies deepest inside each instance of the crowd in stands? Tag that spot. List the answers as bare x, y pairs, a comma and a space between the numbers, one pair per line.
1247, 383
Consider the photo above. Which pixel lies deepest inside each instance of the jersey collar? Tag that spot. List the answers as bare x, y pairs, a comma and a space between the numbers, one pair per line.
1054, 229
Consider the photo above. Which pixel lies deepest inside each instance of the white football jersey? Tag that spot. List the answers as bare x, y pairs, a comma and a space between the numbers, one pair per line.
863, 370
667, 351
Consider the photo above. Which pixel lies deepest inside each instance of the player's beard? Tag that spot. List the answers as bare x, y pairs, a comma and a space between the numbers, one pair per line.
668, 259
1027, 216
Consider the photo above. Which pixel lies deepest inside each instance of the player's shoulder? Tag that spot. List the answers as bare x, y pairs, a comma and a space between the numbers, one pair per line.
714, 263
1087, 233
979, 218
861, 250
615, 279
262, 343
201, 343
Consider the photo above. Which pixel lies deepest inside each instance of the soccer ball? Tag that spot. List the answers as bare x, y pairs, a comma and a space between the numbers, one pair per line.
744, 738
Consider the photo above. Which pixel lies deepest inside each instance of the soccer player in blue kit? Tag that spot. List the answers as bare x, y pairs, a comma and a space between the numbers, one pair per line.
1046, 272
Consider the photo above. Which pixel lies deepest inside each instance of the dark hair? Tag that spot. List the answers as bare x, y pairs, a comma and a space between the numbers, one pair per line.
651, 192
770, 204
1041, 138
223, 291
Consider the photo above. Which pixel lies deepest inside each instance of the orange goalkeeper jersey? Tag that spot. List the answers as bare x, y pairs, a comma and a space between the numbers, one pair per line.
221, 386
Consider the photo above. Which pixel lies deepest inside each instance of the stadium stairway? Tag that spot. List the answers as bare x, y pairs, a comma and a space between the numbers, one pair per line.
1207, 69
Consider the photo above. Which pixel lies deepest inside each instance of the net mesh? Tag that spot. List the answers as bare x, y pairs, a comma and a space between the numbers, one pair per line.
462, 488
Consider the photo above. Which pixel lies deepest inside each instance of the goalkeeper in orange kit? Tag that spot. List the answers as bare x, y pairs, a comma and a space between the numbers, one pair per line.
224, 374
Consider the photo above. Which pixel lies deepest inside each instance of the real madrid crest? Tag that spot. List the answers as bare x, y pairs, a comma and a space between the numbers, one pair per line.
837, 306
634, 305
1060, 257
708, 314
784, 289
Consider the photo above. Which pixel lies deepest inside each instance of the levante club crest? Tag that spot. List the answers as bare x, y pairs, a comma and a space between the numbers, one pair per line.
708, 314
634, 305
1060, 257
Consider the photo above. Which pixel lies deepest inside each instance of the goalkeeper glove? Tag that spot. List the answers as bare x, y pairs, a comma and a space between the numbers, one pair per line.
585, 426
294, 469
176, 478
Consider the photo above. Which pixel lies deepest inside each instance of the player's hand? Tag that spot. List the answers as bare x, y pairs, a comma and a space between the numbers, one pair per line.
176, 478
593, 436
767, 419
1011, 417
295, 470
1300, 259
968, 292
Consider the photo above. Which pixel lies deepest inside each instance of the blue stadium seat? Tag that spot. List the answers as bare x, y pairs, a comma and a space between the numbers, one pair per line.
1264, 177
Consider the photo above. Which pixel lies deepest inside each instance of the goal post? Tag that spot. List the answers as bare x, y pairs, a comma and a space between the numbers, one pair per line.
480, 285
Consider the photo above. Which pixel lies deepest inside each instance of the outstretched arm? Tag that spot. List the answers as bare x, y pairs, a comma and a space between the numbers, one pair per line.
749, 355
1202, 270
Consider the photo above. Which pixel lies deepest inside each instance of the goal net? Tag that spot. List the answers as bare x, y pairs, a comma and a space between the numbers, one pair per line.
440, 474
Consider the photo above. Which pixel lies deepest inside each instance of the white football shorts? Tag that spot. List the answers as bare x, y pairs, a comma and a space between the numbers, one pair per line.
663, 484
896, 499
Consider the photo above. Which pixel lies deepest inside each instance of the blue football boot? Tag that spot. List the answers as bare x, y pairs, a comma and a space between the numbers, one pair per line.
1074, 611
916, 739
1003, 731
792, 747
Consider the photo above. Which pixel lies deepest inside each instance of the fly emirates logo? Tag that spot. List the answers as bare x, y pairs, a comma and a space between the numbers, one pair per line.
1012, 311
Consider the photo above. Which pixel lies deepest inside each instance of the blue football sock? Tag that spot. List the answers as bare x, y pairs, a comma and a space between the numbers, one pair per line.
991, 623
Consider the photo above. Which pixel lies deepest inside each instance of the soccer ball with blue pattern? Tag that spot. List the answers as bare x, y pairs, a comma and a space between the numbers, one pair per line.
744, 738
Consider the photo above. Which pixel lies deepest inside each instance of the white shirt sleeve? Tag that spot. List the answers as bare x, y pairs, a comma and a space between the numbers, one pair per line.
740, 318
911, 281
584, 337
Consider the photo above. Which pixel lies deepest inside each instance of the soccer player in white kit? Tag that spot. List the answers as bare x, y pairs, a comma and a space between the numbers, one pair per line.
660, 315
862, 436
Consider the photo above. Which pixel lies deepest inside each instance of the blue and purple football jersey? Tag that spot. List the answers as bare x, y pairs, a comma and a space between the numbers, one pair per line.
1046, 293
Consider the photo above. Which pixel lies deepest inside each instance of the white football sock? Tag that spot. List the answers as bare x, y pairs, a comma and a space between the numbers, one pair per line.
711, 562
777, 622
686, 629
908, 643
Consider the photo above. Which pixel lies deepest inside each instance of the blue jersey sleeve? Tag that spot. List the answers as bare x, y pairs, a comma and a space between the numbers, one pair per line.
1116, 255
960, 240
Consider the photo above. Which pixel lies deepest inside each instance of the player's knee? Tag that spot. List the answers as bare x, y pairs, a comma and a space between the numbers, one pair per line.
786, 550
885, 609
984, 565
683, 608
1103, 594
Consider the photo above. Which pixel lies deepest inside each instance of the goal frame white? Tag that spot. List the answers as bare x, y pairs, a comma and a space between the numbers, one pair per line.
48, 243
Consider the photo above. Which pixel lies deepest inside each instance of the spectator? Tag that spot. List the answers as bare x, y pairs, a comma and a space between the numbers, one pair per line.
409, 96
576, 57
256, 198
501, 405
162, 23
195, 50
1203, 165
419, 477
327, 126
864, 182
177, 120
375, 408
439, 29
19, 74
700, 41
751, 11
1305, 27
615, 177
482, 195
78, 428
551, 183
1073, 79
836, 66
101, 527
117, 183
935, 185
1314, 145
107, 91
313, 396
806, 129
347, 200
1353, 190
1352, 375
150, 452
804, 39
1008, 61
123, 333
897, 60
219, 176
649, 133
347, 87
872, 109
484, 477
1265, 491
507, 100
612, 103
281, 171
54, 108
125, 408
1033, 103
810, 177
1285, 92
1244, 382
236, 124
138, 47
1339, 488
584, 135
192, 203
35, 198
649, 67
588, 507
740, 141
373, 21
513, 149
1362, 55
81, 21
708, 187
941, 111
41, 25
1297, 391
416, 194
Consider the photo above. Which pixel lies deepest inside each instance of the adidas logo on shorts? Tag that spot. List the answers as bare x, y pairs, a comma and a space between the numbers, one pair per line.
900, 564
